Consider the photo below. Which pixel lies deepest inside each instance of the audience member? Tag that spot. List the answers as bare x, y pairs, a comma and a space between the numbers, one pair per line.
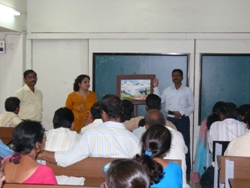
177, 149
30, 98
95, 115
126, 173
4, 150
156, 142
239, 146
127, 110
22, 167
110, 139
63, 136
9, 117
80, 101
228, 128
152, 102
2, 176
179, 105
243, 110
201, 146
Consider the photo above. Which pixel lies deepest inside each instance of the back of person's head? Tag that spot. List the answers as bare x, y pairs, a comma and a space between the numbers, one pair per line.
211, 119
96, 111
218, 107
229, 110
154, 117
63, 117
11, 104
247, 118
127, 110
242, 110
112, 106
153, 101
28, 72
26, 135
156, 142
127, 173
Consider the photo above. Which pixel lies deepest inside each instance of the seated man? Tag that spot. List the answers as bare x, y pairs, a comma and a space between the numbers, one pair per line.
63, 136
111, 139
177, 148
152, 102
239, 146
95, 116
228, 128
9, 117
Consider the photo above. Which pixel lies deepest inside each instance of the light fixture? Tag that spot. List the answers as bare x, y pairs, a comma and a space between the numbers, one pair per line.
7, 11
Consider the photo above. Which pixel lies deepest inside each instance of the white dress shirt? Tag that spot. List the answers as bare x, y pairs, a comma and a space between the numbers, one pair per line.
180, 100
225, 130
9, 119
92, 125
61, 139
239, 146
30, 103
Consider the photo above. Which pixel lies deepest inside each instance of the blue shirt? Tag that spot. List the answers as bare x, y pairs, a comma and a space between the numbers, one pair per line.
172, 177
4, 150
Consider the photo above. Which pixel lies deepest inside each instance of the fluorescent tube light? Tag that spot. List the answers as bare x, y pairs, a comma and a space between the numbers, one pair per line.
7, 11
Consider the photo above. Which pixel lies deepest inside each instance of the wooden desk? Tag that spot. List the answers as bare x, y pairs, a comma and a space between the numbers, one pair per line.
239, 183
93, 181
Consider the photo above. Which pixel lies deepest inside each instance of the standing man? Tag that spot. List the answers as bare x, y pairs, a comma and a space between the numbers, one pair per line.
179, 106
30, 97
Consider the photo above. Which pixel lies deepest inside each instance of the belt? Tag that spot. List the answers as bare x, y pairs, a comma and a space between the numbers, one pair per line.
172, 112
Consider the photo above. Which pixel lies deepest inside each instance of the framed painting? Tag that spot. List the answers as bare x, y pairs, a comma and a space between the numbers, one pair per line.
134, 87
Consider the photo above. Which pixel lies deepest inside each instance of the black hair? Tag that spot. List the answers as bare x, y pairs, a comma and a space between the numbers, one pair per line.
96, 111
63, 117
218, 107
177, 70
11, 104
154, 117
79, 80
243, 109
229, 110
112, 105
28, 72
127, 110
211, 119
127, 173
247, 118
157, 140
26, 135
153, 101
141, 123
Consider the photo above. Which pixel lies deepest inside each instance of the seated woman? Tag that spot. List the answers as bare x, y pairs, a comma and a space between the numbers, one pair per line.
156, 143
21, 167
2, 176
126, 173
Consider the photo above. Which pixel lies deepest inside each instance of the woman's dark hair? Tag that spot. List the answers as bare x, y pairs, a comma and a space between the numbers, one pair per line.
211, 119
127, 173
79, 80
25, 136
127, 110
112, 105
156, 141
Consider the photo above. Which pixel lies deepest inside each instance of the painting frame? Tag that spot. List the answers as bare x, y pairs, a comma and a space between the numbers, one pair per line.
136, 94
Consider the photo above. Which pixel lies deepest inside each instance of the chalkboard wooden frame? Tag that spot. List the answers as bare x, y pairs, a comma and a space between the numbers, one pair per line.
137, 78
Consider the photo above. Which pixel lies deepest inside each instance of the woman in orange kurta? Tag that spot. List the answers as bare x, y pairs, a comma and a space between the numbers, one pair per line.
80, 101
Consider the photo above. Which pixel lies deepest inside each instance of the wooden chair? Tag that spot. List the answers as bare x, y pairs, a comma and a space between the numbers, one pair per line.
6, 134
234, 167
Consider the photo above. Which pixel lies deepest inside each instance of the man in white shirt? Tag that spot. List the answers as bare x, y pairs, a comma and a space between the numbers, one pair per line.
110, 139
177, 148
9, 117
95, 116
179, 106
30, 98
239, 146
227, 129
63, 136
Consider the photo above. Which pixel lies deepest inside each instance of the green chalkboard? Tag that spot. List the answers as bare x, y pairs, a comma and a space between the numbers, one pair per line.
106, 66
224, 77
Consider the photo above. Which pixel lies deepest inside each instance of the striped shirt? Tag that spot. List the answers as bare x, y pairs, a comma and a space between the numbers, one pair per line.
108, 140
